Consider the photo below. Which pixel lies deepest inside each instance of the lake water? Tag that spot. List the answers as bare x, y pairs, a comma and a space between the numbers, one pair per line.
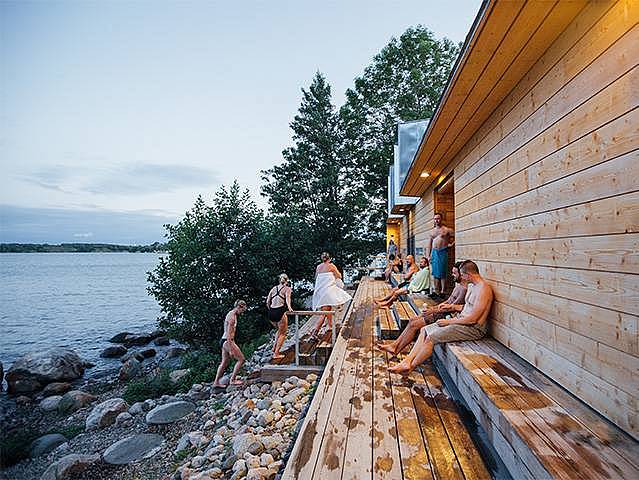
75, 300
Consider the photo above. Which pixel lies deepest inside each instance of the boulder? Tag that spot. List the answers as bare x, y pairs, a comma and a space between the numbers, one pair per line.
74, 400
69, 465
123, 418
130, 369
137, 408
177, 375
139, 339
34, 370
174, 352
135, 355
133, 448
56, 388
148, 352
50, 403
119, 338
23, 400
169, 413
46, 444
260, 473
114, 351
104, 414
162, 341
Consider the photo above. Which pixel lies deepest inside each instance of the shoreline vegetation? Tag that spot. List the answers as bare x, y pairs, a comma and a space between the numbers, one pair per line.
155, 247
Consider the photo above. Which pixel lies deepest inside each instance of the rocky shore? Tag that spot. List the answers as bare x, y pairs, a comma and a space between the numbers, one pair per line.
90, 431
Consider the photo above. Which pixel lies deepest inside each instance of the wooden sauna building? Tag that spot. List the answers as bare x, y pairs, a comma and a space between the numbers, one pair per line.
532, 156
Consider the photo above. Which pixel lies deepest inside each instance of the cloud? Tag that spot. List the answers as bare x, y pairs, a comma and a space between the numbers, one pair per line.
57, 225
123, 179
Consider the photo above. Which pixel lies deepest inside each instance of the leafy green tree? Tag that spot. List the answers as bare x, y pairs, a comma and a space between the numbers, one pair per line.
315, 203
403, 83
216, 254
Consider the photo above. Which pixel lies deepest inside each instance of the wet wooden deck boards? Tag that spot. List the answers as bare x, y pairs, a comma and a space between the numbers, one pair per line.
365, 423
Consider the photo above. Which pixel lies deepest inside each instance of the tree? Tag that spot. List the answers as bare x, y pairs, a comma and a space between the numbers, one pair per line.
216, 254
403, 83
315, 200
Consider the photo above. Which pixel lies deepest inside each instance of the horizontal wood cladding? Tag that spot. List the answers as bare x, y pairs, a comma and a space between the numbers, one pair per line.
547, 204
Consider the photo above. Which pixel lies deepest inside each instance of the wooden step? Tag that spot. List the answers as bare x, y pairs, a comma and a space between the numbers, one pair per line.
403, 313
538, 429
388, 328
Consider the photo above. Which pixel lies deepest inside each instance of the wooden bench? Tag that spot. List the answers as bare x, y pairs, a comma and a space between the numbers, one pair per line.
388, 328
538, 429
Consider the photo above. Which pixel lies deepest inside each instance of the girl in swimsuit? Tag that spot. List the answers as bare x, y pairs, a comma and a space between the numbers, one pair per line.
278, 302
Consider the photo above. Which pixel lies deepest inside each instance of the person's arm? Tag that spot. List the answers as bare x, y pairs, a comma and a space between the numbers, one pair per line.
451, 235
483, 303
288, 299
336, 271
268, 298
430, 246
232, 325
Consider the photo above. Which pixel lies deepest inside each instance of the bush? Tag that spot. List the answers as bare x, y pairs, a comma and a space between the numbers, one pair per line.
149, 387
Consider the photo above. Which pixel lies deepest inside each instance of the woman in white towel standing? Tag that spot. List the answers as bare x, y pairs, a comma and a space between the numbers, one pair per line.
327, 293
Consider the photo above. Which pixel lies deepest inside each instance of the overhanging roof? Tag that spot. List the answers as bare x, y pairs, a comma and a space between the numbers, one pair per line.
506, 40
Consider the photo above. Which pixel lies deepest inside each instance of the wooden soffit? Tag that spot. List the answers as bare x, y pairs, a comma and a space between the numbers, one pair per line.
507, 38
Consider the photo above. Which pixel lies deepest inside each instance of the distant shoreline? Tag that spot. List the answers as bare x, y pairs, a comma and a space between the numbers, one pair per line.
81, 248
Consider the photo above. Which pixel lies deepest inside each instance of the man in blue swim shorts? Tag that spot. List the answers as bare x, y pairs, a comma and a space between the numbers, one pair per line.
440, 239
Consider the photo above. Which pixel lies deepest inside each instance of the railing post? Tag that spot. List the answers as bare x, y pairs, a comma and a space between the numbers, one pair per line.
333, 328
297, 340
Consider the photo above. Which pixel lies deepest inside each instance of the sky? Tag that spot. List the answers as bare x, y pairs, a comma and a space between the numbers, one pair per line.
116, 115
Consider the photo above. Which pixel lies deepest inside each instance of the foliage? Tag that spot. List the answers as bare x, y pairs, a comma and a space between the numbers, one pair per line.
69, 431
78, 248
403, 83
153, 386
217, 254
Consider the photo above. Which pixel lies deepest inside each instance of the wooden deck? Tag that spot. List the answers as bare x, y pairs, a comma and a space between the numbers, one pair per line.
365, 423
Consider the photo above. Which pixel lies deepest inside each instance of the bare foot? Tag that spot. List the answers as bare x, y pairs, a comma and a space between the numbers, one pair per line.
386, 347
402, 368
279, 356
237, 382
219, 385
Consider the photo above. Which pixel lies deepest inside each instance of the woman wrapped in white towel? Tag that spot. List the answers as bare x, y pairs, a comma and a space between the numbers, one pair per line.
328, 292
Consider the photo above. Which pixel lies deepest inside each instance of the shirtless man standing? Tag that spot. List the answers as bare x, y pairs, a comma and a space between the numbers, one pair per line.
470, 324
440, 239
229, 347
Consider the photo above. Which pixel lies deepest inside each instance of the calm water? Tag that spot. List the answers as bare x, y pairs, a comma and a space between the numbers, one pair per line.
76, 300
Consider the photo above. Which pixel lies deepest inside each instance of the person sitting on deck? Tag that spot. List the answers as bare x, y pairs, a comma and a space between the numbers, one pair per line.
278, 303
470, 324
420, 282
429, 314
391, 267
327, 293
412, 269
229, 347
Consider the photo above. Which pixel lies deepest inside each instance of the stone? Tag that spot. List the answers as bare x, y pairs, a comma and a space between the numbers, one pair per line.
266, 459
303, 384
70, 465
162, 341
169, 413
292, 380
183, 444
197, 461
215, 472
139, 340
241, 443
114, 351
46, 444
197, 439
259, 473
74, 400
56, 388
239, 466
123, 418
148, 352
264, 418
50, 403
149, 403
133, 354
311, 377
137, 408
133, 448
174, 352
130, 369
105, 413
264, 404
34, 370
256, 448
119, 338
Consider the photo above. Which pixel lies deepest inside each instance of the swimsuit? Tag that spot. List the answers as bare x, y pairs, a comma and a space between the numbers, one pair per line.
222, 340
275, 314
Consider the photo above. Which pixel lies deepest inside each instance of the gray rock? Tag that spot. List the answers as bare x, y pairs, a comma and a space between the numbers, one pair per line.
137, 339
174, 352
264, 404
183, 444
135, 355
260, 473
177, 375
50, 403
56, 388
137, 408
241, 443
73, 464
162, 341
256, 448
74, 400
23, 400
46, 444
197, 461
133, 448
34, 370
119, 338
104, 414
130, 369
229, 461
123, 418
169, 413
148, 352
114, 351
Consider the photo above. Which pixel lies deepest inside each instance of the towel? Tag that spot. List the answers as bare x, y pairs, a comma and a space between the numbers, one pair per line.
327, 293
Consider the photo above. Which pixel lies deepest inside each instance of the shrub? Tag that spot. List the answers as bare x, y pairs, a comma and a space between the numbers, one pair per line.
149, 387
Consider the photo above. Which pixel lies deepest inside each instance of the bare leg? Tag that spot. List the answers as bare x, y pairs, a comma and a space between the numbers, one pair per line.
329, 317
407, 336
281, 336
318, 326
438, 285
220, 370
236, 370
407, 364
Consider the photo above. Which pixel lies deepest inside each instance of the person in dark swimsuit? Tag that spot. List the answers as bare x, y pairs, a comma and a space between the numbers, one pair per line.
278, 303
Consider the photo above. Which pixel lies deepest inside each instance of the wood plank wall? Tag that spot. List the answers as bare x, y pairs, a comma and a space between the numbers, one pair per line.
547, 203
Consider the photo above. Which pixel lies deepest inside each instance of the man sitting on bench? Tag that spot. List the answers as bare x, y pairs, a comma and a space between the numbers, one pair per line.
470, 324
430, 314
420, 281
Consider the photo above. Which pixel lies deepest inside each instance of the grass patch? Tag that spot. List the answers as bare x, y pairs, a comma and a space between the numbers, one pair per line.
69, 431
